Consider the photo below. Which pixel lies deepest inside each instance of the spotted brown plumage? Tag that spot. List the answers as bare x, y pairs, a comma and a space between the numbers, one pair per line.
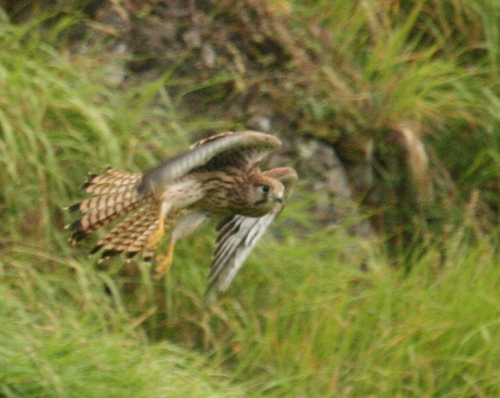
217, 178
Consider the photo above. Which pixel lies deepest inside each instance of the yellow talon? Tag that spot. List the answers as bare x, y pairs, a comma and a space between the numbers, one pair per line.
165, 262
155, 238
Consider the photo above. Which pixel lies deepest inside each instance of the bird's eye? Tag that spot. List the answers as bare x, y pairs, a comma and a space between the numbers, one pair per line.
265, 188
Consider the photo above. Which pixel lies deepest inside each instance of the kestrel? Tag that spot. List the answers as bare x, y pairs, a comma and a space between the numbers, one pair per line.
217, 178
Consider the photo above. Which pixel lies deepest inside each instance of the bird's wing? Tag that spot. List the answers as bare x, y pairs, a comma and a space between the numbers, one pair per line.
238, 235
241, 149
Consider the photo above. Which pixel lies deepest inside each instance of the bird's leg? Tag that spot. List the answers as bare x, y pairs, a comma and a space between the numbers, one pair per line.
156, 236
165, 262
187, 225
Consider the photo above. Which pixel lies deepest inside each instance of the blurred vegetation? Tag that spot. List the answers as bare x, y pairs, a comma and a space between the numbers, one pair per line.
410, 87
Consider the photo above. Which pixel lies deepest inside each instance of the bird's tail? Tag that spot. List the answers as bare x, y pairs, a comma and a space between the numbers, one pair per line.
114, 194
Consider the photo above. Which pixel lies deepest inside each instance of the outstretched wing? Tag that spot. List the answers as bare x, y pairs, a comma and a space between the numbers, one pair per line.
241, 149
238, 235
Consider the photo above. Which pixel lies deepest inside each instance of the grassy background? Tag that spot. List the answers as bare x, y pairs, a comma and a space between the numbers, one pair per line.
301, 320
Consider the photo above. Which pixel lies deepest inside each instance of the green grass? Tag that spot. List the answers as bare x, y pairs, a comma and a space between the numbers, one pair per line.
301, 319
312, 325
62, 336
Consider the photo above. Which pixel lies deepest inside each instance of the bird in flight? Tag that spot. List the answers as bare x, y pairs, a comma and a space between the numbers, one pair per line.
218, 178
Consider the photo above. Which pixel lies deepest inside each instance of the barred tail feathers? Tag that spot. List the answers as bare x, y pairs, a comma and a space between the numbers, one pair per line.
131, 234
115, 195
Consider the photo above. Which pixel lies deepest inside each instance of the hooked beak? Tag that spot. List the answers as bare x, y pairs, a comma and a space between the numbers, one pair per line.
279, 197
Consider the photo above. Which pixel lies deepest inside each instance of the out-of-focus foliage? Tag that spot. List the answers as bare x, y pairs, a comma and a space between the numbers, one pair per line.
412, 84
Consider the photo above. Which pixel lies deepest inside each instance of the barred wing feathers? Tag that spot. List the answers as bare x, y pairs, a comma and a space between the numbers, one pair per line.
241, 149
237, 238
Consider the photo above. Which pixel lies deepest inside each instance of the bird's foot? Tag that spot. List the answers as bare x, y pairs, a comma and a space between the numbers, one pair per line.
154, 239
156, 236
164, 262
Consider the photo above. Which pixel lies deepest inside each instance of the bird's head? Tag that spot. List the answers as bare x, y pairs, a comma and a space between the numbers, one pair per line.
265, 193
